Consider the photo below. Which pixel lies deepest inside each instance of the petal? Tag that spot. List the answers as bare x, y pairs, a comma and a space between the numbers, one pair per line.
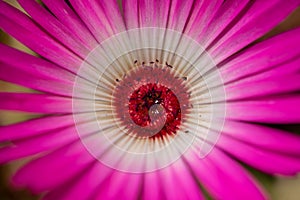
142, 13
264, 160
31, 80
41, 143
53, 26
34, 65
179, 13
223, 177
245, 29
70, 159
152, 189
267, 55
186, 186
222, 14
288, 68
102, 21
34, 127
23, 29
263, 137
34, 72
267, 110
202, 13
36, 103
91, 178
47, 141
120, 185
66, 16
266, 87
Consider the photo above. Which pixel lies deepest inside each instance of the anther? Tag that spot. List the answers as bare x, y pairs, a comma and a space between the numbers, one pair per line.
169, 65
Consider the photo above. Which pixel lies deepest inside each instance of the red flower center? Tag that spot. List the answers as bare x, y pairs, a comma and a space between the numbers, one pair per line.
151, 101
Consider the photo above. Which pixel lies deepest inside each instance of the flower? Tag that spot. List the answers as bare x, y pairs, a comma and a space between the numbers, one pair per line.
153, 100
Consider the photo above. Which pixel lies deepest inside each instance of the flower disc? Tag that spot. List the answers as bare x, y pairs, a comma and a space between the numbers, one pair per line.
150, 101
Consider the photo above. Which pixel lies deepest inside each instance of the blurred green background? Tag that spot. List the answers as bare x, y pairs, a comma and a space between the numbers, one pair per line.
281, 188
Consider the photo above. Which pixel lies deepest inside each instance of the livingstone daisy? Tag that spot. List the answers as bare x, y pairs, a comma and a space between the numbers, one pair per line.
149, 99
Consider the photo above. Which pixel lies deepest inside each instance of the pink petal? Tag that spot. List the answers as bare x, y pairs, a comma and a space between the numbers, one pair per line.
179, 14
264, 160
285, 69
48, 140
223, 15
36, 103
131, 13
152, 189
268, 110
66, 16
186, 186
142, 13
53, 26
269, 86
91, 178
34, 127
12, 74
34, 65
34, 72
71, 159
120, 185
223, 177
100, 20
45, 142
260, 18
271, 139
203, 12
23, 29
267, 55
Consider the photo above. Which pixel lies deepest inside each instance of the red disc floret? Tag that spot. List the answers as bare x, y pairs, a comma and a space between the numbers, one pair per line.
148, 95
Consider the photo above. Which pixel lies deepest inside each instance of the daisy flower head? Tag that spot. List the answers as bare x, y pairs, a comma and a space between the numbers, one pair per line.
148, 99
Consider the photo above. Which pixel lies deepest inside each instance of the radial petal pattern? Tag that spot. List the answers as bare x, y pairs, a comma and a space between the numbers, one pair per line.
146, 99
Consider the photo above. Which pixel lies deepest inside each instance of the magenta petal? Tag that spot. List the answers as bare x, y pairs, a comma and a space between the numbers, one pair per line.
223, 177
35, 66
70, 159
34, 127
264, 160
223, 17
283, 110
120, 185
34, 81
131, 14
34, 72
23, 29
152, 180
180, 13
269, 86
44, 142
55, 28
142, 13
186, 186
100, 20
267, 55
263, 137
247, 29
201, 15
37, 103
90, 178
67, 17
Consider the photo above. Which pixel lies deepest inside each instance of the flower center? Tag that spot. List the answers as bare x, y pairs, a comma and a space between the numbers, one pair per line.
155, 106
154, 94
151, 101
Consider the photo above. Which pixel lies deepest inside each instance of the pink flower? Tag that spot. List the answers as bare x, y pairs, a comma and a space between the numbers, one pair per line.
152, 100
